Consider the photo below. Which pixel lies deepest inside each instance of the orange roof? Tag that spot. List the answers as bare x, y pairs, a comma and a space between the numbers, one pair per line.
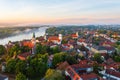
74, 35
72, 73
28, 43
53, 38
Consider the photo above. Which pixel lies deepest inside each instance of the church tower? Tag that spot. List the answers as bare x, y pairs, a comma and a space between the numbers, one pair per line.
60, 37
34, 44
77, 34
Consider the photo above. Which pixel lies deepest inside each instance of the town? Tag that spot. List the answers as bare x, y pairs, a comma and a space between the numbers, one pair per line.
64, 53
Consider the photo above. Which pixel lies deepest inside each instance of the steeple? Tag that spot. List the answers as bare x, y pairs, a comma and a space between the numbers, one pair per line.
34, 43
33, 35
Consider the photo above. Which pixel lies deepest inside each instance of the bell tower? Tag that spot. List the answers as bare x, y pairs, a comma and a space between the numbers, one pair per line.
34, 44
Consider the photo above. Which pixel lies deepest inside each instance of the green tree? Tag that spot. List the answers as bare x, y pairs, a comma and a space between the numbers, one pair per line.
2, 49
56, 50
95, 68
24, 49
30, 72
52, 74
97, 57
117, 58
64, 41
36, 68
71, 60
44, 49
38, 48
59, 57
118, 49
13, 49
21, 67
20, 76
10, 66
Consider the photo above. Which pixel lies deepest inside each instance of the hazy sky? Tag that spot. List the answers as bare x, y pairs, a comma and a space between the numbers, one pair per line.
13, 12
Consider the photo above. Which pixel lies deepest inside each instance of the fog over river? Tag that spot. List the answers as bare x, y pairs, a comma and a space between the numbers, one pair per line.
25, 35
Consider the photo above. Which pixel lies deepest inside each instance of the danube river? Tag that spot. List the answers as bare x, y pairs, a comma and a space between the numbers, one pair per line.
23, 36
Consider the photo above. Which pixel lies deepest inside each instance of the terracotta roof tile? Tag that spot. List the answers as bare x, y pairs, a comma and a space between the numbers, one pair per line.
89, 76
23, 56
52, 38
112, 72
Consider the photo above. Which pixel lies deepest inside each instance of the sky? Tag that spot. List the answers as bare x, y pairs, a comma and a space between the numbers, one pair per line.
22, 12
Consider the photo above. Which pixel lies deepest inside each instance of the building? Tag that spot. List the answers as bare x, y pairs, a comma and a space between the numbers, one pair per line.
81, 42
111, 74
98, 49
75, 35
55, 39
90, 76
30, 43
34, 44
75, 71
67, 46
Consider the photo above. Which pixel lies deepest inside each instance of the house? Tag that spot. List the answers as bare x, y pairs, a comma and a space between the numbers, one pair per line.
107, 43
27, 43
98, 49
109, 63
96, 34
55, 39
24, 56
3, 77
70, 72
81, 42
110, 50
74, 71
30, 43
111, 74
75, 35
90, 76
71, 41
67, 46
63, 65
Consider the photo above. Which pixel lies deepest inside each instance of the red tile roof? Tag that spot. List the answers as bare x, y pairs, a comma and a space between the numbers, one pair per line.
53, 38
74, 35
28, 43
109, 66
89, 76
81, 65
112, 72
67, 45
23, 56
63, 65
72, 73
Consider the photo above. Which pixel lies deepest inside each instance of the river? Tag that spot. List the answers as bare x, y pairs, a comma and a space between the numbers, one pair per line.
28, 35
